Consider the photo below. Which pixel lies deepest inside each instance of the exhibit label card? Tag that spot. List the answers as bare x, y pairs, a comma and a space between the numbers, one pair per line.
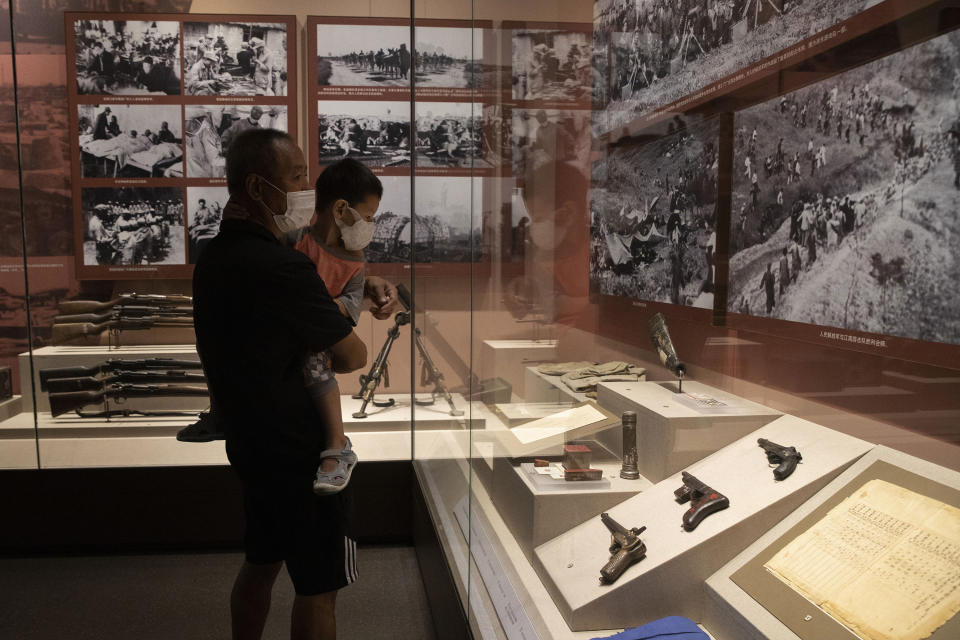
885, 562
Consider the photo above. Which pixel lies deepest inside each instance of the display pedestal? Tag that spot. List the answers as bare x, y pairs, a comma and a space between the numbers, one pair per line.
399, 416
669, 581
508, 359
674, 430
543, 388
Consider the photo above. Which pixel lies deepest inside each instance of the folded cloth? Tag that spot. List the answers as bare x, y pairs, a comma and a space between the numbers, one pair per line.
669, 628
560, 368
584, 385
586, 380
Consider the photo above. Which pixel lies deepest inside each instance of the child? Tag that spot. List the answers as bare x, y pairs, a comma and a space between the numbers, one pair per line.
348, 195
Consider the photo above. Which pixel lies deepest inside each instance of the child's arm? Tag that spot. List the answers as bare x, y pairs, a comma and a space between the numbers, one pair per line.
350, 300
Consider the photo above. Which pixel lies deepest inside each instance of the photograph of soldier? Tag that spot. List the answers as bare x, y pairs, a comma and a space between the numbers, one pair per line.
127, 58
662, 50
129, 141
551, 65
130, 226
653, 216
449, 220
496, 138
850, 190
343, 62
211, 128
449, 57
235, 58
373, 132
204, 212
450, 134
540, 136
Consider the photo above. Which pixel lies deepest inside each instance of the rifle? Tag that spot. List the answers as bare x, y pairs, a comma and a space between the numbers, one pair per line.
786, 457
65, 385
664, 347
370, 381
703, 501
61, 403
113, 366
76, 332
93, 306
123, 312
626, 548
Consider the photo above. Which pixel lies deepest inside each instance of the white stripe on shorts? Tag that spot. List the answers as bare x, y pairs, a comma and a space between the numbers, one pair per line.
350, 559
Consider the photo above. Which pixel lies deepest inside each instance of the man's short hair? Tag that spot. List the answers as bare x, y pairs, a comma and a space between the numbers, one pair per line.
348, 179
253, 151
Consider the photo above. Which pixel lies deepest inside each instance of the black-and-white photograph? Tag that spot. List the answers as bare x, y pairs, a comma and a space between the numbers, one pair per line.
551, 65
653, 217
541, 136
235, 58
450, 134
120, 57
449, 57
496, 138
351, 55
373, 132
663, 50
210, 129
131, 226
448, 221
130, 141
846, 200
204, 213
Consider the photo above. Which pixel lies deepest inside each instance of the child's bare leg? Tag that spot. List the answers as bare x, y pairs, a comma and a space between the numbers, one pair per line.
328, 405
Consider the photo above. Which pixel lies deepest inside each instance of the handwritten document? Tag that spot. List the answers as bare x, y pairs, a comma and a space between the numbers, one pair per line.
885, 562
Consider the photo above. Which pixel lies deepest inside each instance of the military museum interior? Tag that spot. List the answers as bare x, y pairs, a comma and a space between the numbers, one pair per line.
660, 301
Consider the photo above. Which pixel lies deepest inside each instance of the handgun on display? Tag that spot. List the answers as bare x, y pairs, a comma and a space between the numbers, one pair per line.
786, 457
703, 501
626, 548
660, 338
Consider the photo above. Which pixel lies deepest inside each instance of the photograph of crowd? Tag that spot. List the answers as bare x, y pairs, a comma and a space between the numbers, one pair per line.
373, 132
450, 134
846, 199
204, 212
449, 57
211, 128
131, 226
541, 136
130, 141
126, 58
663, 50
344, 59
653, 217
550, 64
235, 58
447, 225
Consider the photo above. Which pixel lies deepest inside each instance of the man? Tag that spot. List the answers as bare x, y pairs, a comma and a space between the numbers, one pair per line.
165, 135
202, 215
262, 67
250, 122
553, 139
766, 283
100, 60
244, 57
784, 272
403, 60
201, 79
101, 128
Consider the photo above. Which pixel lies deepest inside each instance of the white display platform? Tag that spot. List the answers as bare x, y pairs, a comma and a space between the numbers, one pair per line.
672, 432
528, 439
507, 359
11, 407
399, 416
75, 356
539, 387
669, 581
732, 614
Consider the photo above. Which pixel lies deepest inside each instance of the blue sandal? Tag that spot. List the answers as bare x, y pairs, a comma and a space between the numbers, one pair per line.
330, 482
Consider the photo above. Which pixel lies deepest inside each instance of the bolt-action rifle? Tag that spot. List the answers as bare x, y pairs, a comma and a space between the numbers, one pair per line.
61, 403
78, 332
89, 383
114, 365
123, 312
126, 299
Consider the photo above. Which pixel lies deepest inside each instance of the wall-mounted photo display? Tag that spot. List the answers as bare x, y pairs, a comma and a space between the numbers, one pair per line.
450, 137
375, 133
450, 57
204, 213
653, 215
551, 63
542, 136
845, 203
371, 53
154, 103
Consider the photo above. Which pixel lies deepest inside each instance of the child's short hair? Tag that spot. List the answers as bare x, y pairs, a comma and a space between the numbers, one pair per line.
347, 179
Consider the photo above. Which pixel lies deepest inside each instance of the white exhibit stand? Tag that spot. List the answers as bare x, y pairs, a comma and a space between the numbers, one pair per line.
674, 430
399, 416
733, 614
539, 387
507, 359
669, 581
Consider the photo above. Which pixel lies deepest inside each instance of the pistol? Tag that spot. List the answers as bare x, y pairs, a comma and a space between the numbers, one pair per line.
625, 549
786, 457
703, 501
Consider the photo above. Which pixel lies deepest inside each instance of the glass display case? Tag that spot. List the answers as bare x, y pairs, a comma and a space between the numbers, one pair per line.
679, 281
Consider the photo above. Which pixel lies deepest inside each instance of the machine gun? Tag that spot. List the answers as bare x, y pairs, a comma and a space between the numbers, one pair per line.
78, 332
90, 383
125, 312
126, 299
61, 403
115, 365
626, 548
703, 501
786, 457
664, 347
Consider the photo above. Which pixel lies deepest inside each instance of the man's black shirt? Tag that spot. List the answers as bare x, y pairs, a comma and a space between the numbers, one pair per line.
259, 308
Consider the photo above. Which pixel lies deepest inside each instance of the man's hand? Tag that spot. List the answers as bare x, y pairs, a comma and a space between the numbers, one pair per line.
382, 296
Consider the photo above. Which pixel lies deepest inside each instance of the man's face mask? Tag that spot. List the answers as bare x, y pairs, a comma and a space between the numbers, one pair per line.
299, 211
358, 235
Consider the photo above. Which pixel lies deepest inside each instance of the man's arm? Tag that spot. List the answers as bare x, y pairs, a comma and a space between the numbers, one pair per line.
349, 354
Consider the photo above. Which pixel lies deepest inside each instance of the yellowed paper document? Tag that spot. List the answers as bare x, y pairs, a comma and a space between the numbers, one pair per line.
885, 562
558, 424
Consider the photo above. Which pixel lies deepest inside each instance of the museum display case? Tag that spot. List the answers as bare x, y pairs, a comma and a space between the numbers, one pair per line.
677, 283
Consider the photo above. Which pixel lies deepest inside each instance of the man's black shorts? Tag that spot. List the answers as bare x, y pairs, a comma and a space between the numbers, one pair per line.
286, 521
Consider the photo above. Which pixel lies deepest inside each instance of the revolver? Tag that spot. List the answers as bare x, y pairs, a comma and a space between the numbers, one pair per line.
786, 457
625, 549
703, 501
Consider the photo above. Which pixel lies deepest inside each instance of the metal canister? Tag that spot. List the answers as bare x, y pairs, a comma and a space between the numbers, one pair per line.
629, 470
